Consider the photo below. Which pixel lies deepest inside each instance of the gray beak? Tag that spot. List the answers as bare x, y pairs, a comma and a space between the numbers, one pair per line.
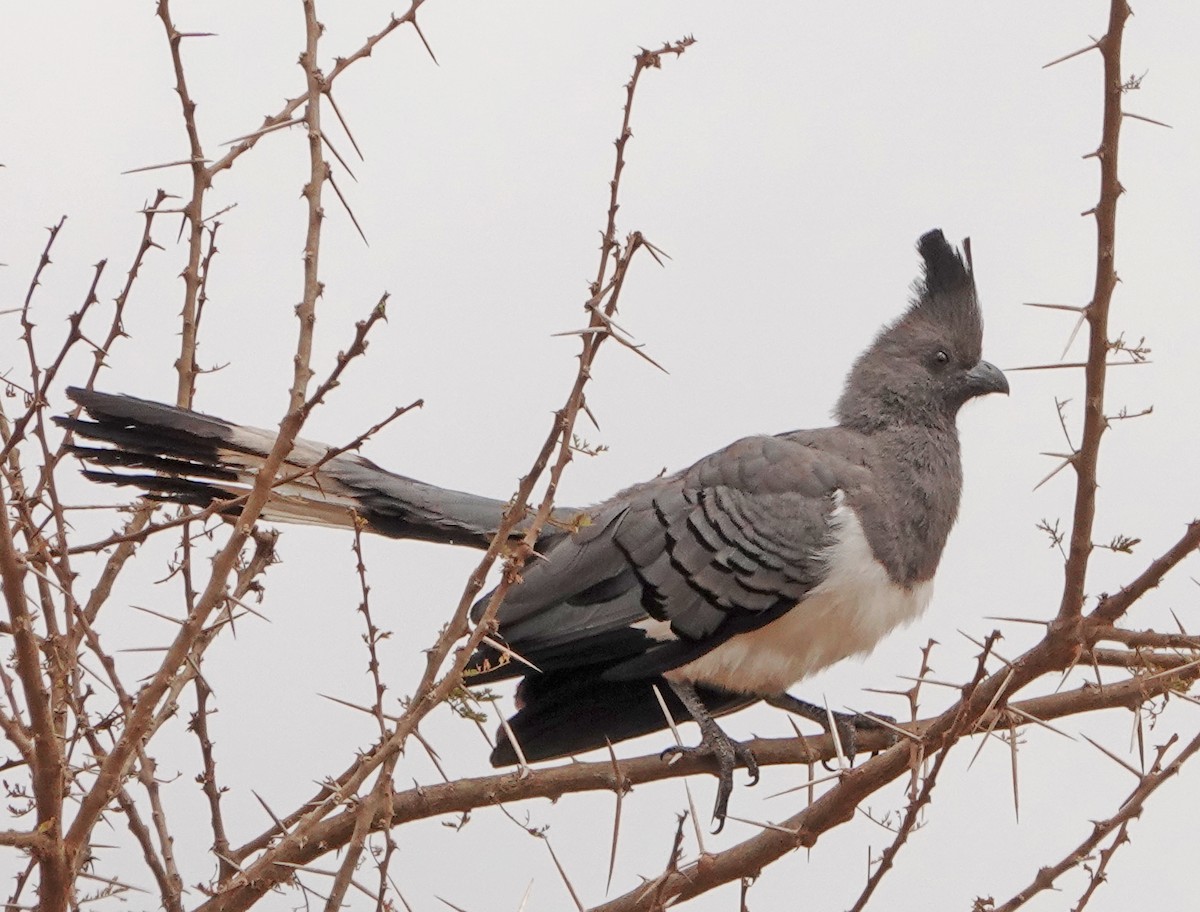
986, 378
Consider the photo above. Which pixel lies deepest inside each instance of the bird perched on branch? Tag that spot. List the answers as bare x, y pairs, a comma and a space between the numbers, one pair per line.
717, 586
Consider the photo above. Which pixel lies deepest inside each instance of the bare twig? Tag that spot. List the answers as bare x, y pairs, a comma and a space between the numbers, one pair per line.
1131, 808
193, 216
1105, 211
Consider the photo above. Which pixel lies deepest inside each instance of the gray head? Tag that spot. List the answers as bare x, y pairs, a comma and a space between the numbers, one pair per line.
922, 368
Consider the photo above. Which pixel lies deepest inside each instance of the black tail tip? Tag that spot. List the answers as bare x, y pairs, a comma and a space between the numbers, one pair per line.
945, 269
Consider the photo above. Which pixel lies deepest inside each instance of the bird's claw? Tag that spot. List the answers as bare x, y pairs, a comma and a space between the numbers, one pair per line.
848, 725
844, 726
729, 754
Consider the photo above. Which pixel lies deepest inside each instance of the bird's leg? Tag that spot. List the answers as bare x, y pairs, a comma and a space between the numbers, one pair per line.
714, 741
848, 725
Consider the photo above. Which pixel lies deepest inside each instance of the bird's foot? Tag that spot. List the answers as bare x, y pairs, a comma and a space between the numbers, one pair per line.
729, 754
845, 726
715, 743
848, 726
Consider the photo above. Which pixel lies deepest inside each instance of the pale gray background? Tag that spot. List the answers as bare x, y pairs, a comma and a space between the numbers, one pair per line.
787, 163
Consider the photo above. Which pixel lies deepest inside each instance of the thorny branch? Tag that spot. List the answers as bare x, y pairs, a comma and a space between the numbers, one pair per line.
285, 116
1131, 809
45, 691
145, 715
193, 216
1086, 458
925, 794
208, 779
837, 804
437, 685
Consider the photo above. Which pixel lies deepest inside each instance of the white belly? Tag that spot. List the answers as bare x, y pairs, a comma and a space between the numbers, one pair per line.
855, 607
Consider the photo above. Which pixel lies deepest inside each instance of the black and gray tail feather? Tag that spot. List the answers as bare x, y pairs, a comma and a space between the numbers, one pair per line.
177, 455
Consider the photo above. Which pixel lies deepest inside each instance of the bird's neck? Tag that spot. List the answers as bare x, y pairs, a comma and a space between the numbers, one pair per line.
923, 473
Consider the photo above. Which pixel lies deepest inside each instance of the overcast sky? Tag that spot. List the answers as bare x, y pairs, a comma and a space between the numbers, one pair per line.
787, 163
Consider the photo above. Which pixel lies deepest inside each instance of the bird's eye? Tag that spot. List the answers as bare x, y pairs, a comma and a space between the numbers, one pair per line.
940, 358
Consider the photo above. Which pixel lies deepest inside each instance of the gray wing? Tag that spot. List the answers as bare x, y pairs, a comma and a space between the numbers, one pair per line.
670, 568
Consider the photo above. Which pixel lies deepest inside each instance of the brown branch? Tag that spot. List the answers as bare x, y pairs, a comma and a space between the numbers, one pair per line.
134, 822
48, 569
28, 840
22, 879
14, 435
1149, 639
193, 214
1139, 659
143, 719
125, 547
1100, 873
837, 805
41, 387
922, 798
383, 864
358, 347
375, 804
208, 780
171, 886
14, 731
435, 686
47, 483
247, 579
205, 271
1086, 459
141, 833
117, 326
306, 311
1111, 607
373, 635
1131, 808
284, 118
467, 794
48, 770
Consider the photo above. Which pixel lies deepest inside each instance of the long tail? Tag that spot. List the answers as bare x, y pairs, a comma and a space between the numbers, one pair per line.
181, 456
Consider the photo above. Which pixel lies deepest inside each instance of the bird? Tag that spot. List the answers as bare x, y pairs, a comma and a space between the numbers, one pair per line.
689, 595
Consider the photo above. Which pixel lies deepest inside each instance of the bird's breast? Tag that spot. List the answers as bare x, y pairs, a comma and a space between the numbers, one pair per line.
854, 607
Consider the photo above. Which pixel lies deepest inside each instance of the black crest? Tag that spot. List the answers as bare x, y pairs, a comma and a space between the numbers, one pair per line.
946, 290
